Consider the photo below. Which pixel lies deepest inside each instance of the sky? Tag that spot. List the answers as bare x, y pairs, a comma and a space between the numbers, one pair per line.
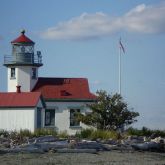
80, 38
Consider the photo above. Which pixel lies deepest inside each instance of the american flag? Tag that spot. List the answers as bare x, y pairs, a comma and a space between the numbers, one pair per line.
121, 46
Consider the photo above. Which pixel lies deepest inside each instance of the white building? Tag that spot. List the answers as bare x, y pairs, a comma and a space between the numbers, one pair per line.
62, 97
21, 110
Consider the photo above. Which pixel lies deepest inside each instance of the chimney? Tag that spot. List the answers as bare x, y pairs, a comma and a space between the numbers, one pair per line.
18, 89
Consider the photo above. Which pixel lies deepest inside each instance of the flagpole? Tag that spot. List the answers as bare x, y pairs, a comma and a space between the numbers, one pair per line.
120, 70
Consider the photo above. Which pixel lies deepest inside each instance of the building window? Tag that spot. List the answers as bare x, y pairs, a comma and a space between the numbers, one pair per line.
49, 117
73, 120
12, 73
34, 73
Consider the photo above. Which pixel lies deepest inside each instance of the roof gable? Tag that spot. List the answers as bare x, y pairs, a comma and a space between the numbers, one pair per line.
23, 99
64, 88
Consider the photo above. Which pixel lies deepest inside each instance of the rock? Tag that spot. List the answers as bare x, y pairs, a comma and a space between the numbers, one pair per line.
153, 136
147, 146
91, 145
92, 151
2, 136
2, 140
52, 145
43, 139
27, 149
158, 140
4, 143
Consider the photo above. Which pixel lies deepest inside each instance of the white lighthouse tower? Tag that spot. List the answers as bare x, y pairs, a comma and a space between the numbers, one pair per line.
22, 65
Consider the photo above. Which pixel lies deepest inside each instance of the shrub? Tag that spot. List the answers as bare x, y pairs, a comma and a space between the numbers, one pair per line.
145, 132
98, 134
85, 133
43, 132
4, 133
63, 134
25, 133
101, 134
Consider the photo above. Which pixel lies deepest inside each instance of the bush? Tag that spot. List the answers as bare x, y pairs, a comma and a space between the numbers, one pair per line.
101, 134
25, 133
97, 134
63, 134
44, 131
145, 132
4, 133
85, 133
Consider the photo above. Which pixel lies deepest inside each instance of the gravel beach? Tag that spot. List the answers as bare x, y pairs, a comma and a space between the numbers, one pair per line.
102, 158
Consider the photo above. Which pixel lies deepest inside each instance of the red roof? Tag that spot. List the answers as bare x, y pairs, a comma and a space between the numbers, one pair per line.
23, 99
22, 39
64, 88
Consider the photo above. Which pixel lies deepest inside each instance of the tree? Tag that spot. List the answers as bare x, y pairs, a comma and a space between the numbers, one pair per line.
109, 112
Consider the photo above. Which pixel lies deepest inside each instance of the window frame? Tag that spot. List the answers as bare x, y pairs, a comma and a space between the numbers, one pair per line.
34, 73
12, 73
51, 119
72, 119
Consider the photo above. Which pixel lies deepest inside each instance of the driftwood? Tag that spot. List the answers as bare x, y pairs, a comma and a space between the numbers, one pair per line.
68, 150
147, 146
51, 144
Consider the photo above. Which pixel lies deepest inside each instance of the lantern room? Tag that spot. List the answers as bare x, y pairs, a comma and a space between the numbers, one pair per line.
23, 52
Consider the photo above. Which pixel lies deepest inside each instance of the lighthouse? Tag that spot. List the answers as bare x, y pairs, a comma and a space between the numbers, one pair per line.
33, 102
23, 64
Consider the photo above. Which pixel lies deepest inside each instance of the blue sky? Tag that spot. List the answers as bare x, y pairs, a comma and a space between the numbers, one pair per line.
79, 38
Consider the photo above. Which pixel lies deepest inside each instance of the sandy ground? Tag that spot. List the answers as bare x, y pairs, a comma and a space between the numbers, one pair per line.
102, 158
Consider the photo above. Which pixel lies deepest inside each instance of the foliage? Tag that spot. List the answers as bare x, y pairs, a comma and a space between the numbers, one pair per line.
85, 133
110, 112
105, 134
25, 133
63, 134
97, 134
4, 133
145, 132
44, 131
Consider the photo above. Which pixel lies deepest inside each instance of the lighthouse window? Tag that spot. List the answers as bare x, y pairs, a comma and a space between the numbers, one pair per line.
22, 49
12, 73
34, 73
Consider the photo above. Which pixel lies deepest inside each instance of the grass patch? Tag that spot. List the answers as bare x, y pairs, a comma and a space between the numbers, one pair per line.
4, 133
97, 134
26, 133
44, 131
145, 132
63, 134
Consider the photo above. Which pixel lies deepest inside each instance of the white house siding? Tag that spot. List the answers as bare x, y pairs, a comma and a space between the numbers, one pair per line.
62, 115
23, 77
12, 83
17, 118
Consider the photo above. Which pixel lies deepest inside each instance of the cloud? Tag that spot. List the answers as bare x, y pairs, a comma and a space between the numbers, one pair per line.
145, 19
141, 19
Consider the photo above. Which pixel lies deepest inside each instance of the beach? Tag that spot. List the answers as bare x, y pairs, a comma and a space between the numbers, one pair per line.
101, 158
